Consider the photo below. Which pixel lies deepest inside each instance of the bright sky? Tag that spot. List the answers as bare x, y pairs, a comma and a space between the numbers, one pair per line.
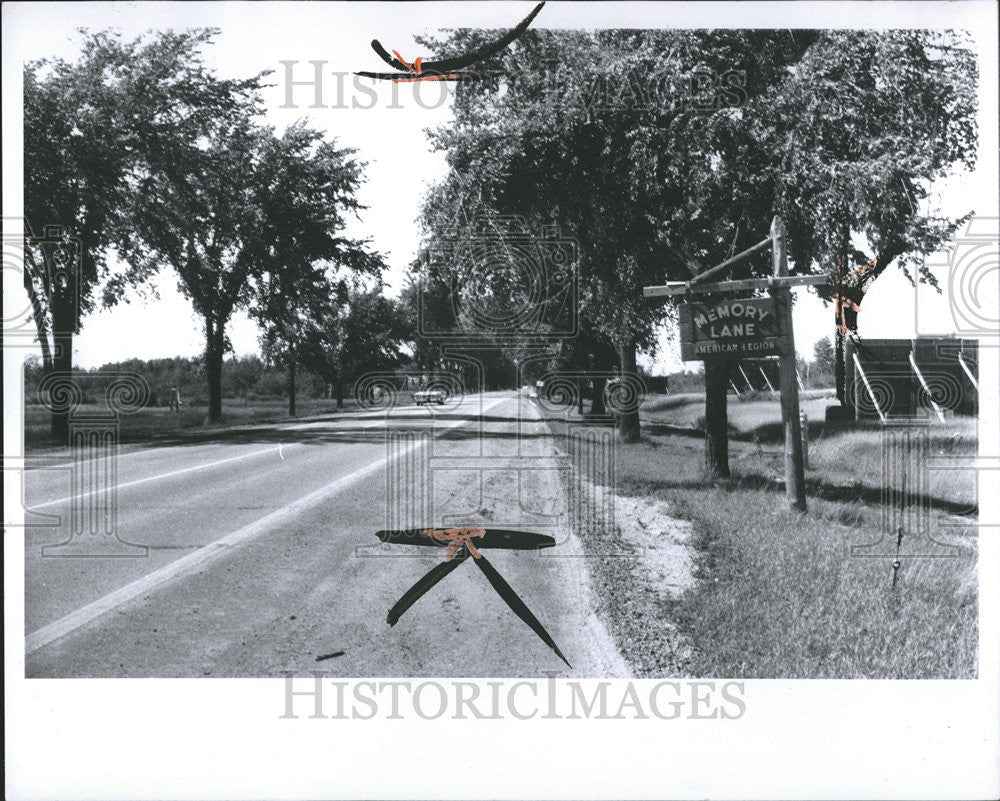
387, 129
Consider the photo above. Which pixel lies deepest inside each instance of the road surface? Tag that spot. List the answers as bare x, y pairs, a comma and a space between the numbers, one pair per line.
255, 555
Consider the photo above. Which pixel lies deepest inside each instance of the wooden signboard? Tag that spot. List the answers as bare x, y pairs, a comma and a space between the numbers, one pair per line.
730, 329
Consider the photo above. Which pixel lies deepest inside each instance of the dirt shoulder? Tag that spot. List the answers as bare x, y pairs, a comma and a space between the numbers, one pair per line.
641, 560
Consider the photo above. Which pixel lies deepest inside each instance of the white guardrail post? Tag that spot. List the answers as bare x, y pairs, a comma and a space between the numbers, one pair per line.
857, 363
930, 396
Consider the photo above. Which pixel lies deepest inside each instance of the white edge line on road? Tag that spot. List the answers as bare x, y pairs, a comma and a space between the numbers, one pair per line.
293, 427
158, 477
85, 614
348, 417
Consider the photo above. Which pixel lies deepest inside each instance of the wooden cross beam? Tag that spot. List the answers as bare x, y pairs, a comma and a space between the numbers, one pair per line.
773, 282
733, 259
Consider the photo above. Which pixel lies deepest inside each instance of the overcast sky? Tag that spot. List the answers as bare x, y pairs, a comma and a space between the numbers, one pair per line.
388, 131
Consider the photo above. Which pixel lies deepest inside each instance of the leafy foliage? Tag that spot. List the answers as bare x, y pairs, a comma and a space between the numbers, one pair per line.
662, 153
305, 265
243, 378
252, 220
368, 331
97, 133
88, 127
823, 354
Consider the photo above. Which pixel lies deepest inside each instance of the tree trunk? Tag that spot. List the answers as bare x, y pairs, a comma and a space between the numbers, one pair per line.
215, 342
340, 393
63, 323
716, 419
38, 315
603, 358
597, 399
846, 318
840, 368
291, 387
628, 414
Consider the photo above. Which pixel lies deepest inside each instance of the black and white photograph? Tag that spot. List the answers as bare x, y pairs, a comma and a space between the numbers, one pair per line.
606, 392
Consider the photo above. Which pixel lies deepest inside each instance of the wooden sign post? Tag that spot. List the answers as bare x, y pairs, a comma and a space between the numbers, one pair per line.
795, 482
752, 327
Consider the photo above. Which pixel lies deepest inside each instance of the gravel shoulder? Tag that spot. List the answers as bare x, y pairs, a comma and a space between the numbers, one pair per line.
641, 560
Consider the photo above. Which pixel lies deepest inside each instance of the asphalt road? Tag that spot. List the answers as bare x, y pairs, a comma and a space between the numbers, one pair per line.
255, 554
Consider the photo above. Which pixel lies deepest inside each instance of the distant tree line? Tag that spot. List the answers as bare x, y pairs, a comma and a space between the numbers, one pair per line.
244, 379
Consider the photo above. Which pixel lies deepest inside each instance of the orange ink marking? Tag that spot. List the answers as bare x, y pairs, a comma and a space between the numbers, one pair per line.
842, 300
456, 537
408, 66
417, 69
450, 76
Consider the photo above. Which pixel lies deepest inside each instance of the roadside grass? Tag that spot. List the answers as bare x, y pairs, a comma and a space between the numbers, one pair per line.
781, 598
854, 459
762, 411
845, 463
779, 594
159, 422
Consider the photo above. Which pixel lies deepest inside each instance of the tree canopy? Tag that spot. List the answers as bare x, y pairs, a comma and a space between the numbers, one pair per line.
306, 187
661, 153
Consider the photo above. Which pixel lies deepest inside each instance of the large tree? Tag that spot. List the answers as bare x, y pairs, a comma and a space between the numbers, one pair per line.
366, 331
663, 152
306, 187
252, 221
823, 355
854, 140
90, 128
604, 135
198, 212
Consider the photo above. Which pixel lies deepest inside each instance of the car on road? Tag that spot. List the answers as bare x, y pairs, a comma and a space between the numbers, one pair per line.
422, 396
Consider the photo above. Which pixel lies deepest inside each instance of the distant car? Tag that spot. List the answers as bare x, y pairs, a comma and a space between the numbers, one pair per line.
422, 396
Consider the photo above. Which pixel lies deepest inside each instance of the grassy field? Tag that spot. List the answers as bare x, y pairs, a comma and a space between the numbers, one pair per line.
159, 422
779, 594
759, 415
